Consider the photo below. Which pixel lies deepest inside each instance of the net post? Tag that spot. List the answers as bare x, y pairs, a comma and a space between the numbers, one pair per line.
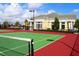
32, 48
29, 48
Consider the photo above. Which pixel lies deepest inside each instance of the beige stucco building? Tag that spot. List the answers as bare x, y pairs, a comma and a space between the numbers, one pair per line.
44, 22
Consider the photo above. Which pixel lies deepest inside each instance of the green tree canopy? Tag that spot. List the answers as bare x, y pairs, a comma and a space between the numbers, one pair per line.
77, 24
17, 23
56, 24
26, 23
5, 24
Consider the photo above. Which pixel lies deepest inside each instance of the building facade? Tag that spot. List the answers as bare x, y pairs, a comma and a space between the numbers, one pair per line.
45, 22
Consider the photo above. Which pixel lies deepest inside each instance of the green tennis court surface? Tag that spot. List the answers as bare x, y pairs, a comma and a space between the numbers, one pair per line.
16, 47
3, 30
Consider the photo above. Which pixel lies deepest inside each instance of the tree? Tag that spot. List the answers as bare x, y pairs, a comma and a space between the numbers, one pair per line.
56, 24
0, 26
76, 25
17, 24
26, 25
5, 25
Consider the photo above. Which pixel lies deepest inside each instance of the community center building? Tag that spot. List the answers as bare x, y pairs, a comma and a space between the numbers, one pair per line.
44, 22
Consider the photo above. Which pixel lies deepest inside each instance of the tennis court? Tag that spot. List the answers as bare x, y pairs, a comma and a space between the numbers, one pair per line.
3, 30
10, 47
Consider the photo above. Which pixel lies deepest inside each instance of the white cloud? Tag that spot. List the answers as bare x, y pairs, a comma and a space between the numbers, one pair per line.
27, 14
1, 13
34, 5
2, 7
13, 10
51, 11
76, 10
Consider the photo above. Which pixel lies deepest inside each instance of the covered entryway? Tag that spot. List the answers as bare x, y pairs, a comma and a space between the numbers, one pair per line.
63, 27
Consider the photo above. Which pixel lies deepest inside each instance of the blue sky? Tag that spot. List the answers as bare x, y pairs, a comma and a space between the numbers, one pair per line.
19, 12
62, 8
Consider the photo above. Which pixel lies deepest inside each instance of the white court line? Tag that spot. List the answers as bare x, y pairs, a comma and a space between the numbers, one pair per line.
16, 38
25, 45
48, 38
44, 39
48, 44
21, 46
2, 53
13, 48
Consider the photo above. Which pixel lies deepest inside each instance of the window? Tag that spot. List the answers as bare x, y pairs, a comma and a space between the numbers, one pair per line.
63, 26
38, 25
52, 23
63, 23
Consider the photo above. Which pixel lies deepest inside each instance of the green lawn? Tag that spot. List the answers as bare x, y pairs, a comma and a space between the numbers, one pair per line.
20, 47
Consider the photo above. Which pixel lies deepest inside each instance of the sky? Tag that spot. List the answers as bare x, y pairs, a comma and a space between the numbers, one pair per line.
20, 11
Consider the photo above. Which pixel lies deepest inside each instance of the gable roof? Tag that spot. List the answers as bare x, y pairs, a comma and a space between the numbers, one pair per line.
53, 15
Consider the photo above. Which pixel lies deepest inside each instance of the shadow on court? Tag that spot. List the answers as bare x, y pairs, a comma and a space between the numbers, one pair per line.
75, 49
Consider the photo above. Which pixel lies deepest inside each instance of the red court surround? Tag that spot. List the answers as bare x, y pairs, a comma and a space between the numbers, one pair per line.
62, 47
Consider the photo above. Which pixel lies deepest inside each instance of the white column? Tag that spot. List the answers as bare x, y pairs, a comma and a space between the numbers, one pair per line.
34, 25
66, 25
31, 26
60, 26
71, 26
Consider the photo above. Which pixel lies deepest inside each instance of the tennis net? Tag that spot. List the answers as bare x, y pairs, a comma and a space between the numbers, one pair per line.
16, 46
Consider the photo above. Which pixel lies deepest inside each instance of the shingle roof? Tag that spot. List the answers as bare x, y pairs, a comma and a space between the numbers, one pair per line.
53, 15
